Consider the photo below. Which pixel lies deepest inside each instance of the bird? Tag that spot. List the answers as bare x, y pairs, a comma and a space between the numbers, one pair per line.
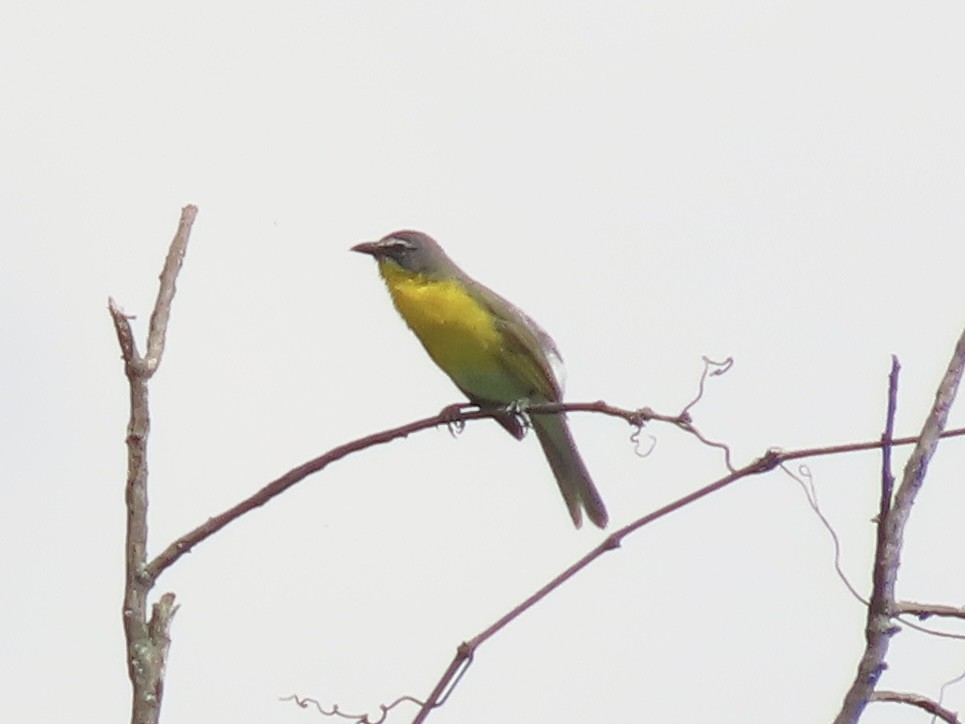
493, 351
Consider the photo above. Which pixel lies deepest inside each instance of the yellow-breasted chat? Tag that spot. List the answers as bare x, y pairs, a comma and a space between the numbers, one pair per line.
496, 354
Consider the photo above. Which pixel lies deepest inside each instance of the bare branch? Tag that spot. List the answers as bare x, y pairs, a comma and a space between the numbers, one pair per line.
922, 702
165, 293
447, 418
211, 526
466, 650
887, 478
891, 525
927, 610
450, 416
125, 335
929, 631
147, 640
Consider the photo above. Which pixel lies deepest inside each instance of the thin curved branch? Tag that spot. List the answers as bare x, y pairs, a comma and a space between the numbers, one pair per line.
930, 631
922, 702
466, 650
447, 418
450, 416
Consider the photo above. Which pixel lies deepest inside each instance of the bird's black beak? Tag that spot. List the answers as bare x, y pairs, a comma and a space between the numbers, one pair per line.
369, 247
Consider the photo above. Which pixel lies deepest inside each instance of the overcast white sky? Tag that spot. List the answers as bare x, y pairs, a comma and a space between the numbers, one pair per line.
778, 182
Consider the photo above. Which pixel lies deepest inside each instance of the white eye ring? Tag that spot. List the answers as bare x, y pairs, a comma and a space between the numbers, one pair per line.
396, 243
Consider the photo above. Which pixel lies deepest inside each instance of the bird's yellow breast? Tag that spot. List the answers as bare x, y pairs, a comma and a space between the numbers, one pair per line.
456, 330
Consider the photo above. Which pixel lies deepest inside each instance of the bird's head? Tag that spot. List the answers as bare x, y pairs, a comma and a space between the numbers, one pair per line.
413, 251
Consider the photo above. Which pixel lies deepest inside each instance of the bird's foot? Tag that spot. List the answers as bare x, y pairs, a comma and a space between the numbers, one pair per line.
513, 418
452, 415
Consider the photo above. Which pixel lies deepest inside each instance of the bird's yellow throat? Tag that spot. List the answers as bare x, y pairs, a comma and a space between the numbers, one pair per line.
456, 330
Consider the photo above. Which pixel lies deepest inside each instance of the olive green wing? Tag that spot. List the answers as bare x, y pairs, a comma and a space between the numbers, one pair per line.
530, 352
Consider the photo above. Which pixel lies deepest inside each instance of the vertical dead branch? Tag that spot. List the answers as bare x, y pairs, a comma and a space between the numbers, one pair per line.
147, 639
893, 517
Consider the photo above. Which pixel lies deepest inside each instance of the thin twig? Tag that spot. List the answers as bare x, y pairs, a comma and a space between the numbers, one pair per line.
764, 464
466, 650
930, 631
922, 702
166, 289
959, 678
803, 478
887, 478
927, 610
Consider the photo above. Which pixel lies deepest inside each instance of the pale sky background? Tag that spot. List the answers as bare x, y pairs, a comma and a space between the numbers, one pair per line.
778, 182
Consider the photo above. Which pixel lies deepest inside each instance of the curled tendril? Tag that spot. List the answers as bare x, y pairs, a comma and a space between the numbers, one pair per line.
635, 438
712, 368
803, 477
335, 711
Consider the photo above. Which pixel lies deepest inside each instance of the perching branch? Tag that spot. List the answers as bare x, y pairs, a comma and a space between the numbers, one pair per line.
451, 417
147, 639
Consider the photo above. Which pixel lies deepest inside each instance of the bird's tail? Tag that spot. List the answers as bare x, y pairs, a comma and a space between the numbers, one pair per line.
574, 480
